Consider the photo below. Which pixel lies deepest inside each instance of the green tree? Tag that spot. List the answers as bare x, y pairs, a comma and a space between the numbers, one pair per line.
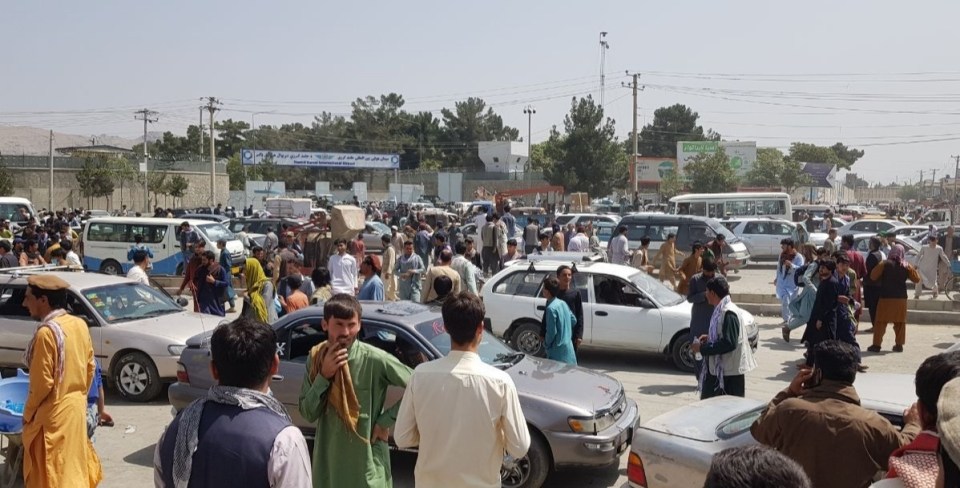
909, 192
774, 170
95, 179
470, 122
6, 179
670, 124
236, 173
176, 187
231, 137
588, 156
711, 173
838, 154
671, 185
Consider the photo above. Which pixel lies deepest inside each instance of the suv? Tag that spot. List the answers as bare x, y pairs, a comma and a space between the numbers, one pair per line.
585, 219
138, 331
576, 416
688, 229
762, 236
623, 308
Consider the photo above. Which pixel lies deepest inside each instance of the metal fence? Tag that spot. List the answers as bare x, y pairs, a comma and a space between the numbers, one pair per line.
70, 162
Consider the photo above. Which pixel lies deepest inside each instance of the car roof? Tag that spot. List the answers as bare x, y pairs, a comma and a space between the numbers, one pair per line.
76, 279
407, 313
582, 266
662, 216
147, 220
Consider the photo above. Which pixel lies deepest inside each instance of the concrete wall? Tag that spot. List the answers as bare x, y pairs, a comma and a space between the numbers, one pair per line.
34, 184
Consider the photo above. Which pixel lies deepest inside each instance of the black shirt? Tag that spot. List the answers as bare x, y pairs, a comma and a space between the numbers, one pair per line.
573, 300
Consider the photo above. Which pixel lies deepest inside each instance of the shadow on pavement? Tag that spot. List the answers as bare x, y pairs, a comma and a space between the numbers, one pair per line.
666, 390
777, 344
143, 457
577, 477
944, 345
788, 371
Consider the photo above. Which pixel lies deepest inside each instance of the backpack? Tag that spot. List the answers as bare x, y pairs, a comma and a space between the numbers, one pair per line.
798, 274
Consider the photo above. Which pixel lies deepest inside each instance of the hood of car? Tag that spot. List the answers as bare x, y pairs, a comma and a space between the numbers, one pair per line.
179, 327
563, 383
702, 420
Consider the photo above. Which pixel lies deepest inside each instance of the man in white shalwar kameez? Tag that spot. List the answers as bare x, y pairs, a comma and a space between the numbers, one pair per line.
928, 264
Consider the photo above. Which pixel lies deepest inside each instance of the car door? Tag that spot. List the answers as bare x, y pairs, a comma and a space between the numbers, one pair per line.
76, 306
619, 319
754, 236
16, 326
581, 282
293, 346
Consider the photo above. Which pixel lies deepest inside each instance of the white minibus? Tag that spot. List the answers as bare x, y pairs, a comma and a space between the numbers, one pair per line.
721, 205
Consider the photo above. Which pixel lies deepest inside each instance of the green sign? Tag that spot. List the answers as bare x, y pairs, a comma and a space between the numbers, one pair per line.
701, 147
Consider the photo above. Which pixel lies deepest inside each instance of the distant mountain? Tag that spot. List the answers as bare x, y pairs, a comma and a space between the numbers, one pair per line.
32, 141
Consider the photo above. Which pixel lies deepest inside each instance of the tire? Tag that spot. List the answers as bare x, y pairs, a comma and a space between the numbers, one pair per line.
530, 471
136, 377
680, 353
111, 267
526, 339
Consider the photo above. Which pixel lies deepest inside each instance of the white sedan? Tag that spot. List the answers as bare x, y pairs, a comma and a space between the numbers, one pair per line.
675, 449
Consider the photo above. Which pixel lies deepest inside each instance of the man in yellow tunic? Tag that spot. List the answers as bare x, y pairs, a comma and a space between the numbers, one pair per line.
57, 451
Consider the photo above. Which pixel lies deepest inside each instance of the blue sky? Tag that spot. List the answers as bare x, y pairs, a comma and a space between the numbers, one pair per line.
843, 64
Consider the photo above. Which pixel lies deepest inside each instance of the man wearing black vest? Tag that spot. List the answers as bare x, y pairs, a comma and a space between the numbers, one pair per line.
239, 434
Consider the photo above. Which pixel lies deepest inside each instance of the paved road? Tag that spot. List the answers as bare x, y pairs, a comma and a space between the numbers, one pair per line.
127, 449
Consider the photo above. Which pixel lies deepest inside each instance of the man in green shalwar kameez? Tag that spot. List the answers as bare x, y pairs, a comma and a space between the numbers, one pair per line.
343, 392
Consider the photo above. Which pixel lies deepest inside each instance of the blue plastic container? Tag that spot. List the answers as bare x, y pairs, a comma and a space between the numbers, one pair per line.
13, 394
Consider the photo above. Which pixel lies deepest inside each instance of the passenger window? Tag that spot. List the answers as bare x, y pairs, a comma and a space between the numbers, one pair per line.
752, 228
659, 232
521, 283
399, 345
11, 302
107, 232
303, 336
76, 307
701, 234
613, 291
152, 234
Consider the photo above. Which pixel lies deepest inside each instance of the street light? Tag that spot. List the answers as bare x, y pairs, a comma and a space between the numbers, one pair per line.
604, 45
529, 111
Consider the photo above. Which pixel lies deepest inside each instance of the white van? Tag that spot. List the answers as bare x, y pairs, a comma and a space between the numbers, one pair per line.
106, 241
10, 209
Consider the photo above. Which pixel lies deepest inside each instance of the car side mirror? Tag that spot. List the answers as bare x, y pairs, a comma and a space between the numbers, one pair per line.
645, 303
182, 302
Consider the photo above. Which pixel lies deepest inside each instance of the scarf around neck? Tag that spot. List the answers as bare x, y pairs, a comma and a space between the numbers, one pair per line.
713, 335
341, 396
58, 335
187, 432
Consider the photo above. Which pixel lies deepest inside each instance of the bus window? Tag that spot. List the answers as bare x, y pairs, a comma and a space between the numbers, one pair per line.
772, 207
715, 210
742, 208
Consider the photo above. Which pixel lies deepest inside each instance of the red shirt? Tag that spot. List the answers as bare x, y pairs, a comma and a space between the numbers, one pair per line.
857, 264
359, 250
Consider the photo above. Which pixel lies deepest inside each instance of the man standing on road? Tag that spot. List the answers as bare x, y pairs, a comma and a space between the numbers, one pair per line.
442, 268
410, 269
343, 393
509, 222
190, 272
818, 422
466, 269
238, 434
211, 283
481, 399
372, 287
714, 252
579, 242
389, 260
830, 244
531, 234
928, 264
138, 272
788, 263
702, 310
570, 295
689, 267
620, 247
725, 347
189, 237
57, 451
343, 270
488, 250
396, 240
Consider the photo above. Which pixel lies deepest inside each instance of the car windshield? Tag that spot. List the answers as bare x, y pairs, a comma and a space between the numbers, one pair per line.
739, 424
716, 227
215, 232
11, 211
656, 290
491, 350
124, 302
379, 227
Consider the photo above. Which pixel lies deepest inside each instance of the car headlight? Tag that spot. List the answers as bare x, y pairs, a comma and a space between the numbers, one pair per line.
591, 425
176, 349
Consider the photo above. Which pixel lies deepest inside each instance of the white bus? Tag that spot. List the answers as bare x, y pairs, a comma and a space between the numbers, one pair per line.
106, 241
720, 205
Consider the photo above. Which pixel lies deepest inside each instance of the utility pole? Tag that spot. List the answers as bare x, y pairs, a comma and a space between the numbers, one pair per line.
211, 107
200, 152
529, 110
636, 134
604, 45
50, 207
956, 173
933, 184
147, 116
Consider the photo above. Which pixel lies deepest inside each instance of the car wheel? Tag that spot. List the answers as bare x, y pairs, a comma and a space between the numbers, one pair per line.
529, 471
526, 339
111, 267
680, 353
136, 377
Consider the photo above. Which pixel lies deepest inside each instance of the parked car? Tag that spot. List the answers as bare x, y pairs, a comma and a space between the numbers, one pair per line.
688, 229
260, 226
623, 309
911, 248
874, 226
586, 218
138, 331
762, 236
371, 236
675, 449
576, 416
911, 231
209, 217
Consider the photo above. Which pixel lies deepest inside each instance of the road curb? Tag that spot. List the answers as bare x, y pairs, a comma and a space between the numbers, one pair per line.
914, 317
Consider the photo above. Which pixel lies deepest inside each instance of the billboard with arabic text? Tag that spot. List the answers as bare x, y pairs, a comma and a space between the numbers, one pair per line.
329, 160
